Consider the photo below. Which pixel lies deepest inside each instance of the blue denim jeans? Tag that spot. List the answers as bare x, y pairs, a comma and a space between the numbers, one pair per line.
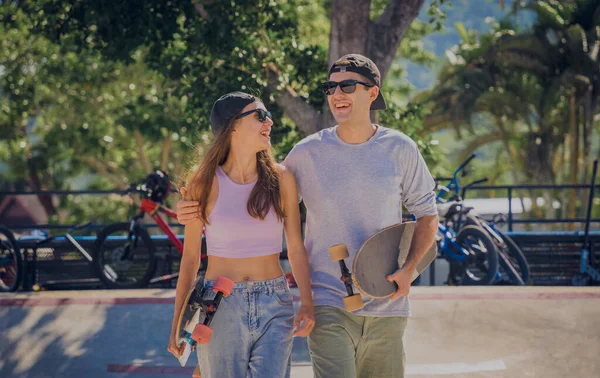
252, 332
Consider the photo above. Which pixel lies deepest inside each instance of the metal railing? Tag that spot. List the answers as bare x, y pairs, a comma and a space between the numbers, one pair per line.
510, 195
511, 221
65, 193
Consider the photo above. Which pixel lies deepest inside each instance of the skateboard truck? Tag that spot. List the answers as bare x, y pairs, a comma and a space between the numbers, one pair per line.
352, 302
346, 277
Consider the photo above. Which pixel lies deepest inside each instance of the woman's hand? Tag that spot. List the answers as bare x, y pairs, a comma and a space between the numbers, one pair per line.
173, 348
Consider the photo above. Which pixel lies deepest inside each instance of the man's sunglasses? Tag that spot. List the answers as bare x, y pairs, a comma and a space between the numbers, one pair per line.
347, 86
261, 113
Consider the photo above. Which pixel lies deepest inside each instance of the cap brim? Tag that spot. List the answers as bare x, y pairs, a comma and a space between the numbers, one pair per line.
379, 103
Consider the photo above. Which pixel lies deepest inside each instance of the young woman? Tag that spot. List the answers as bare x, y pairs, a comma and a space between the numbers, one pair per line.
246, 203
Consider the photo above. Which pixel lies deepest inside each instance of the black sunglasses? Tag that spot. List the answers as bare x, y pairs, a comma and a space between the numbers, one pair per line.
347, 86
261, 113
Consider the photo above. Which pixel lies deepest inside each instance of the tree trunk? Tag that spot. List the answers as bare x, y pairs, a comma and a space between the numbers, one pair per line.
538, 166
386, 33
37, 185
588, 131
436, 122
34, 176
143, 159
477, 142
349, 28
165, 152
513, 156
562, 168
304, 116
102, 170
573, 159
506, 142
352, 31
349, 34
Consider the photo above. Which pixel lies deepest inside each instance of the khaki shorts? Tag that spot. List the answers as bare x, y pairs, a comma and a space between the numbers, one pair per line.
350, 346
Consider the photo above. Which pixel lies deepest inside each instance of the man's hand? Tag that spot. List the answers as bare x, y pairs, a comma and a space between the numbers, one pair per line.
187, 211
306, 317
402, 277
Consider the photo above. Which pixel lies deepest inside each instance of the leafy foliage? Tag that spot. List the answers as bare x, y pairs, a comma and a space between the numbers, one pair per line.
524, 80
97, 96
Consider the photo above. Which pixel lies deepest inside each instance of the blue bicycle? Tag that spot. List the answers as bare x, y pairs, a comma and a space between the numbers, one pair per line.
513, 265
471, 253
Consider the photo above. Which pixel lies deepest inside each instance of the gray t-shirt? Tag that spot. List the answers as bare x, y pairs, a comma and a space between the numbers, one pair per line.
352, 191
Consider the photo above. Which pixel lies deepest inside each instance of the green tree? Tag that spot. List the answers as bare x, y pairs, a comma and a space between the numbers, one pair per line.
539, 86
117, 91
520, 77
65, 111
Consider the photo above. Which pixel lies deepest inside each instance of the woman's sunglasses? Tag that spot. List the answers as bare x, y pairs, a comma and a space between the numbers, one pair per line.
347, 86
262, 115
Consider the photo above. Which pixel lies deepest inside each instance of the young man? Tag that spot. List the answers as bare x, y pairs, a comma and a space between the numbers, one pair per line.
353, 179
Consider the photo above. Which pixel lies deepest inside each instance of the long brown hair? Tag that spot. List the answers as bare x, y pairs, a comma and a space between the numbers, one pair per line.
264, 194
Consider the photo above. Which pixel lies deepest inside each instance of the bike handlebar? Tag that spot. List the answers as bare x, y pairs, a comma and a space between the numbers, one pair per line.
477, 182
465, 163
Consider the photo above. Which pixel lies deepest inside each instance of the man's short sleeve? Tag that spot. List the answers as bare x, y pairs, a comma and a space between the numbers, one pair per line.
417, 184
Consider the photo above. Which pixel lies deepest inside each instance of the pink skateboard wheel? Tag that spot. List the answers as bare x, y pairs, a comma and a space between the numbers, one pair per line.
224, 285
202, 334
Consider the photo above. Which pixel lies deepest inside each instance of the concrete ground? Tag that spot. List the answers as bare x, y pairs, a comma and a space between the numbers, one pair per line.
454, 332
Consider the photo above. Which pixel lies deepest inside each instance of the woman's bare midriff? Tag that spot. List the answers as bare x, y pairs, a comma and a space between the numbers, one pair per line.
244, 269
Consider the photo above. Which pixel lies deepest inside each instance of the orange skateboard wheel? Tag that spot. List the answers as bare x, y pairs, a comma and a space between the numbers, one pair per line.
224, 285
202, 334
353, 303
338, 252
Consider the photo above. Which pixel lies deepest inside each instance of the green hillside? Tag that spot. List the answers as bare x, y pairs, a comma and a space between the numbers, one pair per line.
473, 14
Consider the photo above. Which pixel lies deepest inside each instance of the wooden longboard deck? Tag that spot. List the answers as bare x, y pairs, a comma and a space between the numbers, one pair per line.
190, 315
382, 254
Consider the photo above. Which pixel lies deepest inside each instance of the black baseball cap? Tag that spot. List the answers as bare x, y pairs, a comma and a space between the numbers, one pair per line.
363, 66
226, 108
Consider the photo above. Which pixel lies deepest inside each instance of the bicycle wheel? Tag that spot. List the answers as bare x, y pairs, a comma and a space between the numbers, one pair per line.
12, 267
516, 257
482, 264
513, 265
123, 261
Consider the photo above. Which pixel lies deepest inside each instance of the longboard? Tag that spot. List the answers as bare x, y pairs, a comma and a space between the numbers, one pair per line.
379, 256
193, 326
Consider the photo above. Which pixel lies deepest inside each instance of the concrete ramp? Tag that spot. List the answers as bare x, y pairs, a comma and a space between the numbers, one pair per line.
504, 332
454, 332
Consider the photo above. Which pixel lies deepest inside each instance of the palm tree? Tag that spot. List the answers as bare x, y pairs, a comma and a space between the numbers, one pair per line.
540, 86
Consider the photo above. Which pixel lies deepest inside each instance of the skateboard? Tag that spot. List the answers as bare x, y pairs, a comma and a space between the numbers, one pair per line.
193, 326
379, 256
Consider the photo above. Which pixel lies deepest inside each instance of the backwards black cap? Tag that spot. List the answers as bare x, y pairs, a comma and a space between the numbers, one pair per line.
363, 66
226, 108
